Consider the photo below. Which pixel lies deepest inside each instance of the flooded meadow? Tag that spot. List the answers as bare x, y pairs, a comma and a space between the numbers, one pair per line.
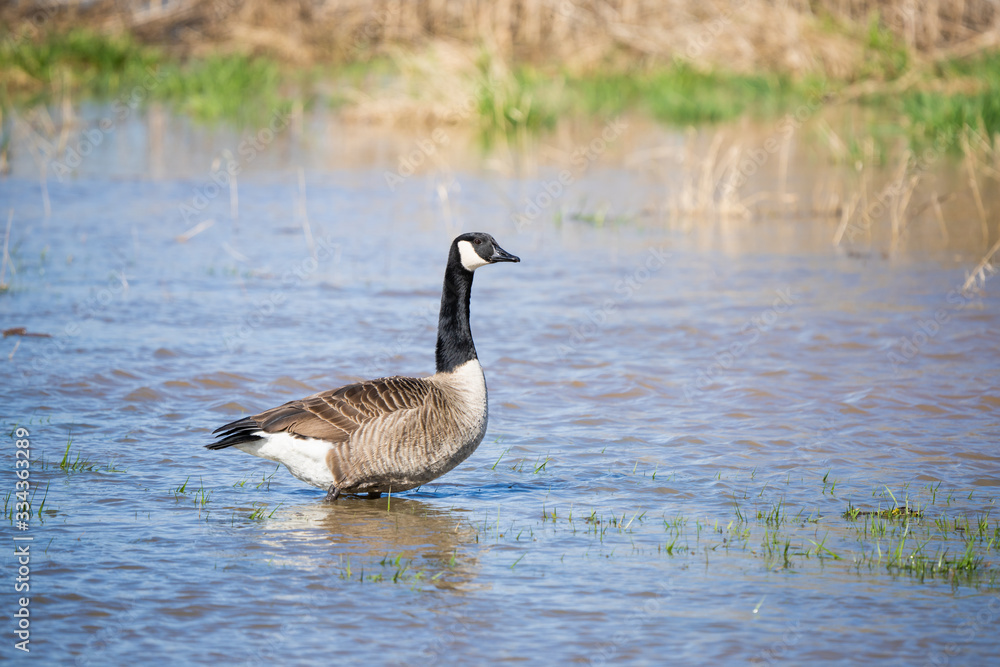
737, 413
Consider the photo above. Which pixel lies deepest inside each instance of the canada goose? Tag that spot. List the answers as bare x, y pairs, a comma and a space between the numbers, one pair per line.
389, 434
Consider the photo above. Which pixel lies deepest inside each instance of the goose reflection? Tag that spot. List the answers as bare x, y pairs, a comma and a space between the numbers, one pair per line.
373, 540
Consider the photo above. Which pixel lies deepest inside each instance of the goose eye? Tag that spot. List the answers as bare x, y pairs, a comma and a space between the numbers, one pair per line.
478, 241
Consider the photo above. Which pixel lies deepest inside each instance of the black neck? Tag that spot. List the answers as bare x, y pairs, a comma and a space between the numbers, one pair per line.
454, 343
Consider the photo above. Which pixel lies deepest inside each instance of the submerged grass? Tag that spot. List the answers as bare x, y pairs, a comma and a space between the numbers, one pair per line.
399, 569
23, 503
74, 461
899, 540
797, 527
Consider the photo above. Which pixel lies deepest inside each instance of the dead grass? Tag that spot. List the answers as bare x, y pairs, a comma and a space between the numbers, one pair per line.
792, 36
458, 60
872, 204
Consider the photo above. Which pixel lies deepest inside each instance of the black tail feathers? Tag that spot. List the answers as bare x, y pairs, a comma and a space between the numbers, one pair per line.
235, 433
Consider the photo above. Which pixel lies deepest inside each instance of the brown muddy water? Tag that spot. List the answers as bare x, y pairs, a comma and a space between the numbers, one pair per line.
681, 414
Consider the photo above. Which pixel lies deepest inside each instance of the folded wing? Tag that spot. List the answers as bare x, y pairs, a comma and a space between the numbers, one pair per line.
333, 415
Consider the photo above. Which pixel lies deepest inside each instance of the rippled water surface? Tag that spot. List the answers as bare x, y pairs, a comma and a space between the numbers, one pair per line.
679, 421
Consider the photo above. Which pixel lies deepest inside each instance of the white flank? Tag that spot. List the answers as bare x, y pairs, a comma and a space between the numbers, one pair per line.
470, 258
305, 458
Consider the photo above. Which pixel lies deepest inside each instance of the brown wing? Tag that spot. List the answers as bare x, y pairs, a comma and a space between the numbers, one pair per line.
335, 415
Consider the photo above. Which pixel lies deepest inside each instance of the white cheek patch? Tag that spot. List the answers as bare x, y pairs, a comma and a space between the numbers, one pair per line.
470, 258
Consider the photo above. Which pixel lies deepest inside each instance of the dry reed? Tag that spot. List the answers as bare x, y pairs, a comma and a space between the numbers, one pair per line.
578, 34
3, 263
449, 50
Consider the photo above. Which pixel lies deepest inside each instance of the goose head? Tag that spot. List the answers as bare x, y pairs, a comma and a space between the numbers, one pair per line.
477, 249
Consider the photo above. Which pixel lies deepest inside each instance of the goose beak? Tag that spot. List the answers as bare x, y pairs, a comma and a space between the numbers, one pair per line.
501, 255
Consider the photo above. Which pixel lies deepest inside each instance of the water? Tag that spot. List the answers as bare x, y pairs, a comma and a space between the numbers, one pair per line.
650, 386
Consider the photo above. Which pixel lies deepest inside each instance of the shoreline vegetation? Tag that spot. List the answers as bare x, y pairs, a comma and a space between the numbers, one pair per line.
524, 63
886, 88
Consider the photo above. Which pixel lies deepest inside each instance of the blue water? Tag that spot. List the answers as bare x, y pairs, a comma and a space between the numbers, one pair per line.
649, 385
